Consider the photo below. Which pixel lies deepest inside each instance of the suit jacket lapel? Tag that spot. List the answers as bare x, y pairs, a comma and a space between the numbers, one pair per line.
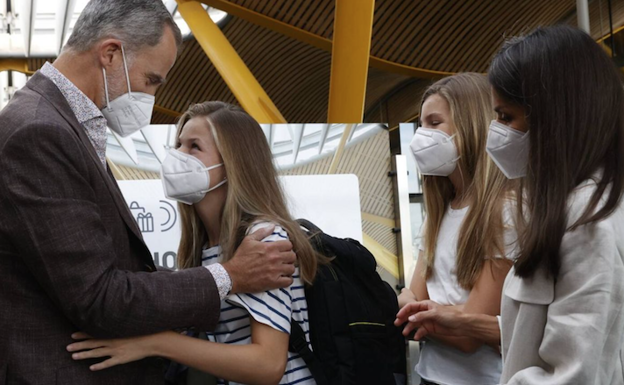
46, 88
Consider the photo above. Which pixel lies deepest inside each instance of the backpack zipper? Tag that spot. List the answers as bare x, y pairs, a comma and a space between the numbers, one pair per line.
366, 323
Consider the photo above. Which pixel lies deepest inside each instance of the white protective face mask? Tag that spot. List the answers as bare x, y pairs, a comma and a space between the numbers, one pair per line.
509, 149
130, 112
185, 178
434, 151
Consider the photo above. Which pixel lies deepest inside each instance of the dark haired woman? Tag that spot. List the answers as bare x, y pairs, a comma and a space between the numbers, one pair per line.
560, 129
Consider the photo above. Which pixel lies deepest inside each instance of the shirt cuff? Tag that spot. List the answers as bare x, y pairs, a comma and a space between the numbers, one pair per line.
222, 279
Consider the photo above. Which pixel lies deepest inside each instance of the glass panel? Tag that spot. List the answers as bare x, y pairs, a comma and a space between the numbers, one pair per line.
47, 25
417, 216
44, 39
12, 20
184, 28
406, 133
310, 143
215, 14
417, 219
79, 6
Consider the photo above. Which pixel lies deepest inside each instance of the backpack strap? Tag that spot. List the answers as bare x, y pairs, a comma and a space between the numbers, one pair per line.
297, 343
306, 224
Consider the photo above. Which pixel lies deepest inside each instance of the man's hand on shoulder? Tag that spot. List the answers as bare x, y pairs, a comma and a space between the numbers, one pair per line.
260, 266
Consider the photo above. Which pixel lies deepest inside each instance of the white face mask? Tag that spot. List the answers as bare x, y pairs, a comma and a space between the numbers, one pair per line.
130, 112
509, 149
185, 178
434, 151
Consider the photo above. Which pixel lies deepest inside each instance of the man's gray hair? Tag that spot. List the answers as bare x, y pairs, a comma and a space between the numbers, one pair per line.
137, 23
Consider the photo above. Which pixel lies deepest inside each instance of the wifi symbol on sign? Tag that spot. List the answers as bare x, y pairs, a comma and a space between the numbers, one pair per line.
172, 216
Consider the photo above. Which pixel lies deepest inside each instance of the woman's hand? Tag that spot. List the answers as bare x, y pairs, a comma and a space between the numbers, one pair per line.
430, 318
119, 351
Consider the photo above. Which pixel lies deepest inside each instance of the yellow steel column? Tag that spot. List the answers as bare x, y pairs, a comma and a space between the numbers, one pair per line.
353, 25
18, 65
315, 40
237, 76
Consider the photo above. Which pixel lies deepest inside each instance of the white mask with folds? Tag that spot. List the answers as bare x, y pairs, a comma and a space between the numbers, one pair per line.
185, 178
509, 149
434, 151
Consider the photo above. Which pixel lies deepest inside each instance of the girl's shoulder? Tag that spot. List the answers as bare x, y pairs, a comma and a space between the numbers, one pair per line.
211, 255
278, 231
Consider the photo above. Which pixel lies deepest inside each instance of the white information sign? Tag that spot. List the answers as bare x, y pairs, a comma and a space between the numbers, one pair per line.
332, 202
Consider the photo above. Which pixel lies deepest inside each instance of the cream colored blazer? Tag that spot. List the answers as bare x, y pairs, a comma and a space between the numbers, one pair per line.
569, 330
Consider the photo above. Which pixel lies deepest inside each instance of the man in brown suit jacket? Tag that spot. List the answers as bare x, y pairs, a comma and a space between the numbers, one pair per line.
71, 255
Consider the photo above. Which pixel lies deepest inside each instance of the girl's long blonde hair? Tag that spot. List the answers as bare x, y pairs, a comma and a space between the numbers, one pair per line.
481, 233
254, 192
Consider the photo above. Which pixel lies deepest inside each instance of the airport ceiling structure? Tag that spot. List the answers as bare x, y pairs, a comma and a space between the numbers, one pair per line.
287, 52
287, 44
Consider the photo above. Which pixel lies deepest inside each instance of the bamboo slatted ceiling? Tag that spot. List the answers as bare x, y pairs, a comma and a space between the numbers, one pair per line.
440, 35
449, 35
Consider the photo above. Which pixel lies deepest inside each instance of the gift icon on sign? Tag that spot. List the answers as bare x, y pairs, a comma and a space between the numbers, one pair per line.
144, 219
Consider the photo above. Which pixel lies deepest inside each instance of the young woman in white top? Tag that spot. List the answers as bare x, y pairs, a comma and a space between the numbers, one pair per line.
463, 254
560, 131
222, 173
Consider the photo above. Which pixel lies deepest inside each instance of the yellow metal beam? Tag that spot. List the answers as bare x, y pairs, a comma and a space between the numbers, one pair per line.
353, 27
338, 154
377, 219
615, 31
166, 111
383, 256
18, 65
316, 40
233, 70
402, 69
609, 52
270, 23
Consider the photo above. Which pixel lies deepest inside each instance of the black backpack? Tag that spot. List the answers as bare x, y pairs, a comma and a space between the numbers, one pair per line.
351, 312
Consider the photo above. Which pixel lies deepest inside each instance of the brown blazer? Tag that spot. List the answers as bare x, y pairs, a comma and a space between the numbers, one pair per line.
71, 255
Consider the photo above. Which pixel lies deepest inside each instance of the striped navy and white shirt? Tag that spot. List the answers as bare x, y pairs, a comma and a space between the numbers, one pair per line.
273, 308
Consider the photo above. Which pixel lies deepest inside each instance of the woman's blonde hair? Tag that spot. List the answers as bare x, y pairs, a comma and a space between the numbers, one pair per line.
254, 192
481, 233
